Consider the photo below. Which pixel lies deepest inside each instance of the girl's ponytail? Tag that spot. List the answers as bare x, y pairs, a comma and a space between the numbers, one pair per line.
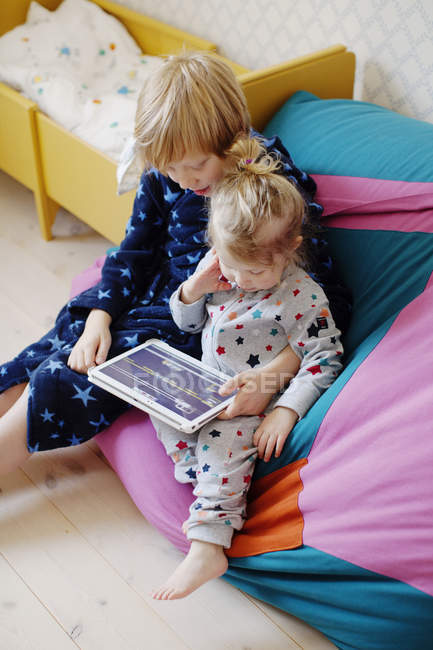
253, 194
249, 155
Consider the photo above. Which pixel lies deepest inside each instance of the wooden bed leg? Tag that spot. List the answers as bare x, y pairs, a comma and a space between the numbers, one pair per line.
47, 210
46, 207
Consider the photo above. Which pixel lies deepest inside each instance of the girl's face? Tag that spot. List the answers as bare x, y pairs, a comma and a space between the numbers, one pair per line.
199, 172
254, 276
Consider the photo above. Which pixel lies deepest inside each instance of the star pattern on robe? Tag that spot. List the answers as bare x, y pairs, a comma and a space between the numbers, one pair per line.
56, 343
214, 433
47, 416
193, 259
75, 440
239, 340
54, 365
83, 395
131, 341
170, 196
99, 423
125, 272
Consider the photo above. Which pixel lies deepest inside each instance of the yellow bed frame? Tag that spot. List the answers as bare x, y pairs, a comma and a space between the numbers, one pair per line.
62, 170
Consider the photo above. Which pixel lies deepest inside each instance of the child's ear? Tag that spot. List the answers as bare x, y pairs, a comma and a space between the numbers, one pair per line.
297, 242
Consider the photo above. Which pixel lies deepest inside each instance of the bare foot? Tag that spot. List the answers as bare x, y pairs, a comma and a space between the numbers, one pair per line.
204, 562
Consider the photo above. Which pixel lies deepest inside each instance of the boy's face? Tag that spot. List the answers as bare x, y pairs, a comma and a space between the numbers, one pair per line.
199, 172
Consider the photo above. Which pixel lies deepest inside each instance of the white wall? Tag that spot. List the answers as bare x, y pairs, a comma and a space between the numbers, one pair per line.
392, 39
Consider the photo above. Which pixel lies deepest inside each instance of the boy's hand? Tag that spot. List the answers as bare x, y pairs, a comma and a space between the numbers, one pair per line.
252, 397
93, 345
202, 281
273, 431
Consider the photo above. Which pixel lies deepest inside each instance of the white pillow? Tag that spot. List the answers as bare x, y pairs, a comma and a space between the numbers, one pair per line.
82, 67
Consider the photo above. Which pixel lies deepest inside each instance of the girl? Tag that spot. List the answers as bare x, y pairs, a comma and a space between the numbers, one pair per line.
260, 298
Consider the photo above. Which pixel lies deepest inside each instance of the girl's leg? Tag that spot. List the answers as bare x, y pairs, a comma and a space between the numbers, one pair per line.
181, 449
203, 562
225, 463
13, 431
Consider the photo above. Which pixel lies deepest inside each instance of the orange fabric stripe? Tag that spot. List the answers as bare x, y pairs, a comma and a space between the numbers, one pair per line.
274, 521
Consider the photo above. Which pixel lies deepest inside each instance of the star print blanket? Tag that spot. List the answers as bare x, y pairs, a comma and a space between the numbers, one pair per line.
82, 67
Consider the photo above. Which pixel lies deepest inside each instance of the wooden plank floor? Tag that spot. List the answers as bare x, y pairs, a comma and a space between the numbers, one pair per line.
77, 559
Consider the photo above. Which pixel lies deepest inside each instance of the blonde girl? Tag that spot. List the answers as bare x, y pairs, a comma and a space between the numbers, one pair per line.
249, 297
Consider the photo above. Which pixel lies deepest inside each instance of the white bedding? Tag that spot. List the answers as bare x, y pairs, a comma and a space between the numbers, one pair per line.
82, 68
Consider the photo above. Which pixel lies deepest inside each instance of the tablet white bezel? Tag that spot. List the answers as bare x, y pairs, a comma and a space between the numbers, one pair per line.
145, 403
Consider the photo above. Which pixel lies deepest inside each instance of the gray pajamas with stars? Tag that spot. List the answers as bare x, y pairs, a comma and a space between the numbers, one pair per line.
241, 331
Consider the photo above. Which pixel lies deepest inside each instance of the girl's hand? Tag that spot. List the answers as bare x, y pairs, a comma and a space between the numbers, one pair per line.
203, 281
251, 398
257, 387
93, 345
273, 431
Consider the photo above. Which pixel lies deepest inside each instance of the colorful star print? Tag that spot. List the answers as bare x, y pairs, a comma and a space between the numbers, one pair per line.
253, 360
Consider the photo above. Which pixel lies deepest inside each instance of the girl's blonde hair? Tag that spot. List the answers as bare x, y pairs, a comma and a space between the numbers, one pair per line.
191, 103
252, 194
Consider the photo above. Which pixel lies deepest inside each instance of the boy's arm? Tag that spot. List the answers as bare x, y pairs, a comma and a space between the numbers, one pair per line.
94, 344
131, 268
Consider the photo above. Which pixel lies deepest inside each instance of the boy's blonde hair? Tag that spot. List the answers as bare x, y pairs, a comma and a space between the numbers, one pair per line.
191, 103
251, 195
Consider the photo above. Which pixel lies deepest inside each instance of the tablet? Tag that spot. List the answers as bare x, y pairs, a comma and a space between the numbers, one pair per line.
166, 383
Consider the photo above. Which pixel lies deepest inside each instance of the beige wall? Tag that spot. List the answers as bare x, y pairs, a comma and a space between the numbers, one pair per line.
393, 39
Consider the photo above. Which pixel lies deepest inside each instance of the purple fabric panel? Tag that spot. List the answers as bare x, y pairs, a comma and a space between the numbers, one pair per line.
351, 202
368, 485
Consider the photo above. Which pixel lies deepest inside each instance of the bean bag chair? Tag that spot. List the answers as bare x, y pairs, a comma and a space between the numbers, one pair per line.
340, 527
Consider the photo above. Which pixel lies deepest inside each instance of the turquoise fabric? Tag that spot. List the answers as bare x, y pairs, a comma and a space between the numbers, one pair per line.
344, 137
345, 602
